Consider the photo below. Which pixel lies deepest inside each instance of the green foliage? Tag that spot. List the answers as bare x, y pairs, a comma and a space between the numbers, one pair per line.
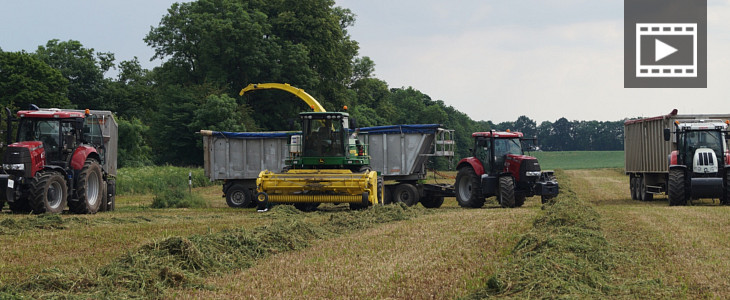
221, 113
568, 160
81, 67
133, 149
177, 197
25, 79
149, 179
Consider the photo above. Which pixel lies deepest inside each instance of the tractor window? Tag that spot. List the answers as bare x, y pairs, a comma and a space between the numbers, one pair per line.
503, 147
46, 131
92, 130
323, 138
694, 140
483, 153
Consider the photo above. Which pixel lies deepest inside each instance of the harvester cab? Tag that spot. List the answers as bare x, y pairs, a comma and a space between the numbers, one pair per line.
498, 167
60, 157
699, 166
326, 165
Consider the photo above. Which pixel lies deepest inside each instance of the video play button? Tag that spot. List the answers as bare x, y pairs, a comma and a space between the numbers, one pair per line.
662, 50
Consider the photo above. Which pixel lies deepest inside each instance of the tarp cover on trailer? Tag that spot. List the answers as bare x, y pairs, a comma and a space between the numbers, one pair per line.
254, 135
414, 128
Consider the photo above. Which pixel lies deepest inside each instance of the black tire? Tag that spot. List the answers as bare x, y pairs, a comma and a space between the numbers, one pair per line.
238, 196
726, 189
406, 193
381, 191
88, 189
48, 193
645, 195
2, 205
307, 207
432, 202
677, 194
19, 206
632, 188
468, 188
506, 195
519, 200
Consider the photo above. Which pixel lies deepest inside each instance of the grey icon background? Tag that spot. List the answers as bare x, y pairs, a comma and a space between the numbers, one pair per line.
665, 11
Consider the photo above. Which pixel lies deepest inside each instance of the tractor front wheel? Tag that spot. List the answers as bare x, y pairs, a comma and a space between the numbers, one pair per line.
89, 189
519, 200
506, 195
468, 188
48, 193
677, 193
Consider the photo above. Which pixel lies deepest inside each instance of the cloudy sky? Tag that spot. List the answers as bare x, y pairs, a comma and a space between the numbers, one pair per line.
494, 60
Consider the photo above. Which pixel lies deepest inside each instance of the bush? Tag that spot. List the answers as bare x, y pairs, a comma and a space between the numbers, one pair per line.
175, 197
147, 180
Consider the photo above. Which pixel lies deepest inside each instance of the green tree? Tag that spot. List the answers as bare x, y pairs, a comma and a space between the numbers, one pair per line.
133, 149
25, 80
83, 69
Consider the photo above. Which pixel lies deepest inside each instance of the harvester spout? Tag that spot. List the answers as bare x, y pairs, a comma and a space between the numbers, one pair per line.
313, 103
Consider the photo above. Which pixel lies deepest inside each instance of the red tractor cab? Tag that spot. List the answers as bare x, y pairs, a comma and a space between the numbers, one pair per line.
498, 167
61, 157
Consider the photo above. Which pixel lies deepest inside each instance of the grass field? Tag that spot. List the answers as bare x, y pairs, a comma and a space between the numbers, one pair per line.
594, 242
571, 160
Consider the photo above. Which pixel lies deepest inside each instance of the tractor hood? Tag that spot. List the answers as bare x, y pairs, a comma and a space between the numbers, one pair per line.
704, 161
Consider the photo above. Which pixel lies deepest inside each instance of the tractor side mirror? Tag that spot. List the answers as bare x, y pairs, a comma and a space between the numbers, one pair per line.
667, 134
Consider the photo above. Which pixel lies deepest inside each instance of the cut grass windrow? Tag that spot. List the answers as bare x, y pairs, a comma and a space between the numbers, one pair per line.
564, 254
183, 262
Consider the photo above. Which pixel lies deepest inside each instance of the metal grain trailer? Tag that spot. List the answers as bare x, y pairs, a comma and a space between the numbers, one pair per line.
665, 154
398, 153
239, 157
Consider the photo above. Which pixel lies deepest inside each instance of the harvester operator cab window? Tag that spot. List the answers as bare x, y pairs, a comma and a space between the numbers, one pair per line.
483, 153
323, 137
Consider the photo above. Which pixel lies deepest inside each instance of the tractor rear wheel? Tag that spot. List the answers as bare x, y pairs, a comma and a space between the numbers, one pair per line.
677, 194
519, 200
406, 193
506, 195
468, 188
89, 190
432, 201
238, 196
48, 193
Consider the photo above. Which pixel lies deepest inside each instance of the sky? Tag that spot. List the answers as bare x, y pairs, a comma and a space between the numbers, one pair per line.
491, 59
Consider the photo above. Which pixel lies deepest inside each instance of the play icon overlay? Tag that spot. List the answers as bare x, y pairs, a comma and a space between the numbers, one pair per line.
665, 43
666, 59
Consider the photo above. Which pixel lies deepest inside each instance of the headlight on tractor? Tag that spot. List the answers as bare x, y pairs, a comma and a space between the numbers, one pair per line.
14, 167
532, 173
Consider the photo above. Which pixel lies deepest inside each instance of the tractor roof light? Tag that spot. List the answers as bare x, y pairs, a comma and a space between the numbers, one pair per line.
344, 107
727, 122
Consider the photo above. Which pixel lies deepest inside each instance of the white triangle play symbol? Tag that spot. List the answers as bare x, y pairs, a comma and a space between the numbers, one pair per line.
662, 50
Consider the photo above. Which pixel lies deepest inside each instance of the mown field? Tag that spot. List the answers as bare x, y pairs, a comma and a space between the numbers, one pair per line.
592, 242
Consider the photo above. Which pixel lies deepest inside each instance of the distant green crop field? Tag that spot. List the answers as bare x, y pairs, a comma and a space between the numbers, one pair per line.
569, 160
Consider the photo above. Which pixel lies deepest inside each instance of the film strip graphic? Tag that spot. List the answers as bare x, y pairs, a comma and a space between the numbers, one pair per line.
668, 29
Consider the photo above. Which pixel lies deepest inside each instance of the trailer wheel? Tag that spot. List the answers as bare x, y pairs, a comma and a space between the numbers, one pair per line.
632, 188
519, 200
468, 188
432, 201
48, 193
89, 190
406, 193
238, 196
677, 193
645, 195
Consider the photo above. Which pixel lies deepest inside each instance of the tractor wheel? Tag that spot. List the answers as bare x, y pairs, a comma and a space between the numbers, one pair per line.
432, 201
506, 195
238, 196
20, 206
406, 193
48, 193
88, 189
677, 193
307, 207
519, 200
2, 204
468, 188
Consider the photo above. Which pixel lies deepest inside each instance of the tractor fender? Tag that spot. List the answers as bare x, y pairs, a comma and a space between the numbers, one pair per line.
674, 156
58, 169
473, 162
81, 154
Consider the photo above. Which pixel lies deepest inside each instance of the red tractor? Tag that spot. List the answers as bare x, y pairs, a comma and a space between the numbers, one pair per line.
61, 157
498, 167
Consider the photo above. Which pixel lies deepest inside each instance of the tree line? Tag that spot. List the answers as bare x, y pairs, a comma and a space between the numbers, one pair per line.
210, 49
